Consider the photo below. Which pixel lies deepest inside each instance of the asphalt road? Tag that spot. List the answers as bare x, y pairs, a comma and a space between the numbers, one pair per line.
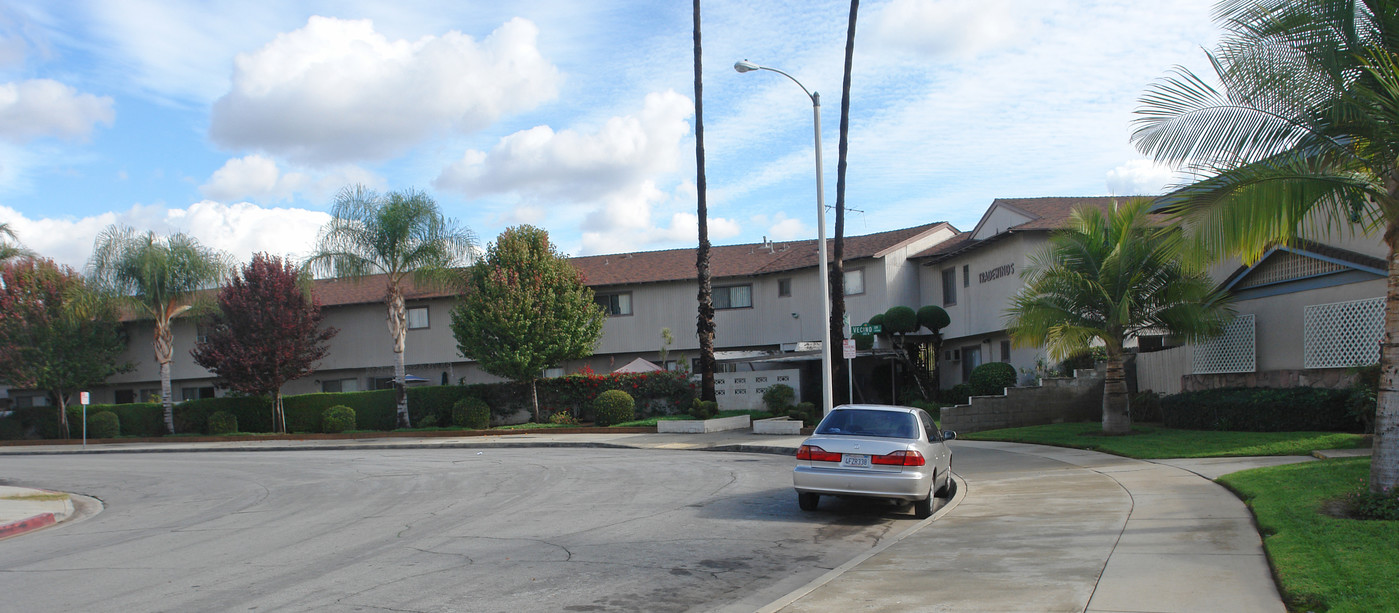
429, 530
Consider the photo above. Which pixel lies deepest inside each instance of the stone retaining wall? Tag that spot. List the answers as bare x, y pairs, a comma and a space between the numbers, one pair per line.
1079, 398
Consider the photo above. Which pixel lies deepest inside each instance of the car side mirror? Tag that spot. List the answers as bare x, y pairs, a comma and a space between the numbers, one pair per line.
949, 435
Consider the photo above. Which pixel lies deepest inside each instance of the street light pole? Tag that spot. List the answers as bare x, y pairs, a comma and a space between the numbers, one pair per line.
826, 389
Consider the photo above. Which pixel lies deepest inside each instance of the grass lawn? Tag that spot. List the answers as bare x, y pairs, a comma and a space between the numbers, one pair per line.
651, 421
1149, 442
1322, 563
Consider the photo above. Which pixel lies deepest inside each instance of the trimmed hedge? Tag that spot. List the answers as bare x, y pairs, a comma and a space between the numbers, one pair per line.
104, 424
337, 419
1261, 409
778, 397
992, 379
221, 422
613, 407
146, 419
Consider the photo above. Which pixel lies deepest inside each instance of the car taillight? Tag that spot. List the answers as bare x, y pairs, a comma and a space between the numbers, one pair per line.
900, 458
816, 454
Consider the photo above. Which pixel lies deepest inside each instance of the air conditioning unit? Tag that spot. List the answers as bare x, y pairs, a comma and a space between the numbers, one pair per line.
953, 355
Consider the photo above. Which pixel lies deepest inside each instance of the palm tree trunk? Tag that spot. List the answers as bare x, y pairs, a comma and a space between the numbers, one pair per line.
1117, 416
164, 352
61, 399
398, 315
704, 322
837, 269
279, 419
534, 397
1384, 464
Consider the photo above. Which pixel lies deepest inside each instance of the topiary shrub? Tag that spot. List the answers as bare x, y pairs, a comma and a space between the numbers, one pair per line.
471, 412
806, 412
933, 318
613, 407
337, 419
703, 409
778, 397
877, 320
864, 341
222, 422
900, 320
992, 378
103, 425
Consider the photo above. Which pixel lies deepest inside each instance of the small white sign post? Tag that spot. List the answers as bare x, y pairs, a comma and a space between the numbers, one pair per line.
83, 397
849, 347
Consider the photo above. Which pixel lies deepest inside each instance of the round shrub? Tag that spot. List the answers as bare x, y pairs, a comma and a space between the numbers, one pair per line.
613, 407
337, 419
877, 320
222, 422
900, 320
992, 378
103, 425
806, 412
703, 409
933, 317
778, 397
471, 412
957, 394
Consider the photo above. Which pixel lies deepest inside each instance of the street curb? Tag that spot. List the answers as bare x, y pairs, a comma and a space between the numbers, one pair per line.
376, 446
27, 524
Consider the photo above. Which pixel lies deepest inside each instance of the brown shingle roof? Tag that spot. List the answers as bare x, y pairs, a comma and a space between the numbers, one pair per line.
1050, 213
655, 266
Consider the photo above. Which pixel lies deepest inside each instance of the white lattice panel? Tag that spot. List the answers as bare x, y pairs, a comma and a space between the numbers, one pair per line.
1231, 351
1343, 334
1286, 266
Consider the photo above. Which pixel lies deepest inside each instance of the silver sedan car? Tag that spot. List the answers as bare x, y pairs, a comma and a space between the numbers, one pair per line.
877, 451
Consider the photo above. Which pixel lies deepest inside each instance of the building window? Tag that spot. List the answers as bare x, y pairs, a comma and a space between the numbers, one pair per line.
949, 286
784, 288
340, 385
417, 318
381, 383
1005, 351
733, 297
552, 373
614, 304
854, 282
966, 275
201, 334
195, 393
125, 396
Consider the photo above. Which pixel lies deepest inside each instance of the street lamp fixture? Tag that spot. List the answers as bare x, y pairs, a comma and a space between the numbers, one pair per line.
826, 392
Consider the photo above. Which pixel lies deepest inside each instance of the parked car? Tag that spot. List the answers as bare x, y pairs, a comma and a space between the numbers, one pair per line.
876, 451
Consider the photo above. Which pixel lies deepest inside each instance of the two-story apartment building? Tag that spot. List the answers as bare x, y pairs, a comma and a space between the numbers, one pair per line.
767, 299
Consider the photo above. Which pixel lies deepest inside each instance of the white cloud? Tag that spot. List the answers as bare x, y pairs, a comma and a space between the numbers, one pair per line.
1139, 178
948, 28
241, 229
786, 228
43, 107
337, 90
257, 177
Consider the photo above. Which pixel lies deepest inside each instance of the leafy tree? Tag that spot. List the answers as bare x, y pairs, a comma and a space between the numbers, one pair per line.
1299, 138
402, 236
525, 309
704, 321
265, 333
157, 277
55, 334
1108, 277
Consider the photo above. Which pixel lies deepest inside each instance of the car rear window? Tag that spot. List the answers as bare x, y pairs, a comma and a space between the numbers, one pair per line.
860, 422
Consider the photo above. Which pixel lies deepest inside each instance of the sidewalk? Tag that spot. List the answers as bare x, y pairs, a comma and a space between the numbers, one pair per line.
24, 510
1031, 528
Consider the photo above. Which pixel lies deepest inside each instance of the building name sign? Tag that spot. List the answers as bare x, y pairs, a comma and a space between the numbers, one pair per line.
996, 273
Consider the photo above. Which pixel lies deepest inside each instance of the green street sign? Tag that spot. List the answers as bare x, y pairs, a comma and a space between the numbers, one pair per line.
866, 329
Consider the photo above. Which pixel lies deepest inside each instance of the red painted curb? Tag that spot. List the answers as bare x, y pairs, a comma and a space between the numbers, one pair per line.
26, 525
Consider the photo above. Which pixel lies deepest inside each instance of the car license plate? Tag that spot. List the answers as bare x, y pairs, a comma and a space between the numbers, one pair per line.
855, 459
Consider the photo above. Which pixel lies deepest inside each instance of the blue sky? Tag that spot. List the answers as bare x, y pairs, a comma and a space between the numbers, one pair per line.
238, 122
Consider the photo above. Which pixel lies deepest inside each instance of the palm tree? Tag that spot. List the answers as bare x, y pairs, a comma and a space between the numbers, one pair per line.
1107, 278
1300, 137
158, 277
837, 271
8, 250
704, 321
401, 235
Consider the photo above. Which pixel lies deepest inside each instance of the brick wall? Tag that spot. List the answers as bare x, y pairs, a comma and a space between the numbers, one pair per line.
1079, 398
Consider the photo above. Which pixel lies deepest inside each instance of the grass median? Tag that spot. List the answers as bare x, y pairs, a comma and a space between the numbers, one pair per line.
1322, 562
1149, 442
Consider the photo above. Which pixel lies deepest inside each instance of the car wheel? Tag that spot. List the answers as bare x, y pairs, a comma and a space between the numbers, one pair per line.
946, 490
923, 509
808, 501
